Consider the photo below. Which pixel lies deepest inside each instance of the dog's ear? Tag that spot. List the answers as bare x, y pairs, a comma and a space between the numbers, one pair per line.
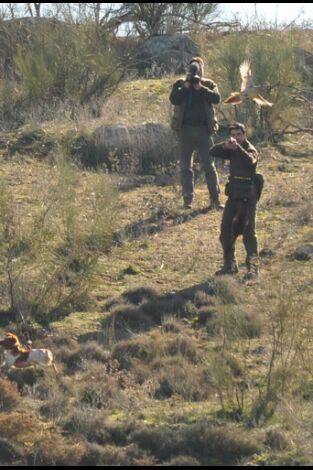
12, 337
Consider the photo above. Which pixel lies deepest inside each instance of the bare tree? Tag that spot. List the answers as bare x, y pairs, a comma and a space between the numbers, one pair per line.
65, 12
11, 8
150, 19
34, 6
143, 19
199, 13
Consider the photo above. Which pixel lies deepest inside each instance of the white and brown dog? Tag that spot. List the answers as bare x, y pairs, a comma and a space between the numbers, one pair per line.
19, 357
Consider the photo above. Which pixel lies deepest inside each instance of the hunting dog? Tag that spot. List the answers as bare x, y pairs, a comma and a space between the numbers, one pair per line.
19, 357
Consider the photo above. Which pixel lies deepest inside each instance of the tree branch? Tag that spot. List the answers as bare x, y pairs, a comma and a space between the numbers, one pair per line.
296, 129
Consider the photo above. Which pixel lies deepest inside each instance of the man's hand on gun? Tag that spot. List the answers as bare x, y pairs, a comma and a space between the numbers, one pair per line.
231, 144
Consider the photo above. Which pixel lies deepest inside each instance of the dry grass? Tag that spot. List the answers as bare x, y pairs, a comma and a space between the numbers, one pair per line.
54, 451
202, 441
9, 396
162, 344
149, 103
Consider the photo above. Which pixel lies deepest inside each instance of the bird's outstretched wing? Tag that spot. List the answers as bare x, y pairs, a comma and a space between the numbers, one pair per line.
234, 98
262, 101
248, 90
246, 76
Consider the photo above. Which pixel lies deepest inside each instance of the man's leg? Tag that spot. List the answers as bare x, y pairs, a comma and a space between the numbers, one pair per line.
186, 163
250, 241
227, 240
208, 166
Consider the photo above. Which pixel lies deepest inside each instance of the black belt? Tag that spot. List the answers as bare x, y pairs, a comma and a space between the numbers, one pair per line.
242, 178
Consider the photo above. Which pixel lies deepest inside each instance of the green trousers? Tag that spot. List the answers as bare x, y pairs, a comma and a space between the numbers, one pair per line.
197, 138
239, 219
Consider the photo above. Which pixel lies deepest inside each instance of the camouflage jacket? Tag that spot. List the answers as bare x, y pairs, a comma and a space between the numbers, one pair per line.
178, 98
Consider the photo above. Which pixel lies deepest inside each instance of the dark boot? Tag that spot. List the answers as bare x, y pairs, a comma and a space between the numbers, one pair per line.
215, 204
252, 263
230, 266
227, 270
187, 202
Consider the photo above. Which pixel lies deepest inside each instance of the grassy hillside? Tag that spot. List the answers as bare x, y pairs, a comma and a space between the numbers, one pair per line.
160, 363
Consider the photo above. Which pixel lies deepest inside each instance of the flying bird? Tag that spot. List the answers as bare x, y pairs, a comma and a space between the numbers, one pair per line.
248, 90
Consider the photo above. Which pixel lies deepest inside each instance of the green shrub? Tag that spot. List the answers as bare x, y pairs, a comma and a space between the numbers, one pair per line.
271, 56
182, 461
124, 320
62, 61
181, 346
89, 423
106, 394
137, 295
202, 441
142, 348
74, 358
92, 424
130, 455
224, 444
176, 376
226, 289
209, 317
277, 439
237, 323
31, 141
56, 405
52, 451
227, 377
49, 250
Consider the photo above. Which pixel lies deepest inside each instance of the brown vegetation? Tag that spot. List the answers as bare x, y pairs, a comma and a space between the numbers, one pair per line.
160, 363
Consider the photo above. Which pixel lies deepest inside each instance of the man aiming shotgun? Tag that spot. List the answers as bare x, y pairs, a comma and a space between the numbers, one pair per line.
243, 190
